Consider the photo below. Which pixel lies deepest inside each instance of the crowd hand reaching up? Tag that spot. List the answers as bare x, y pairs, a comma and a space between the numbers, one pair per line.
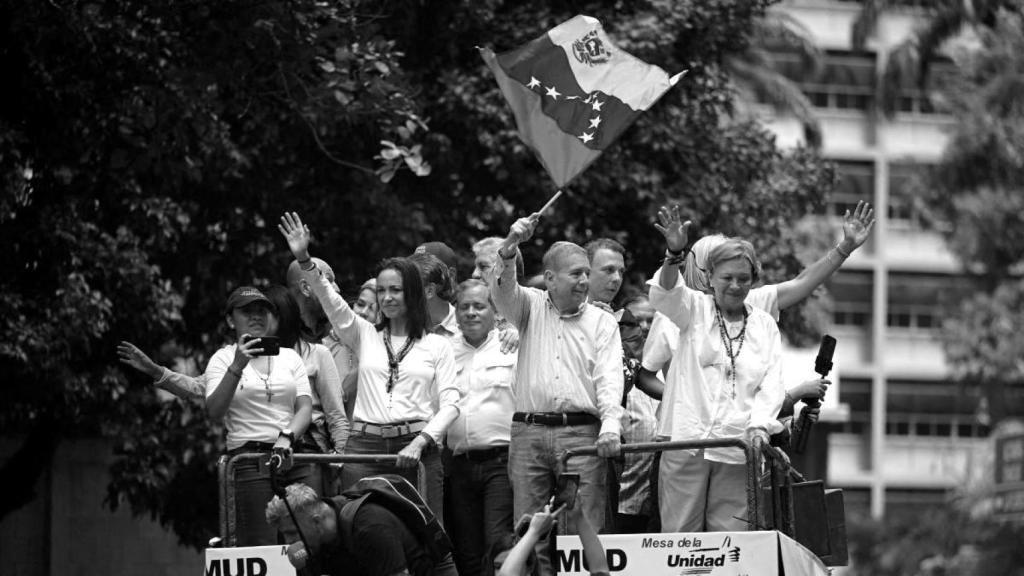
857, 226
811, 389
129, 354
296, 234
672, 227
543, 521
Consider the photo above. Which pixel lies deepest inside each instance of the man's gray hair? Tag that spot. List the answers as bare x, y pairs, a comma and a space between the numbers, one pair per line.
303, 500
559, 251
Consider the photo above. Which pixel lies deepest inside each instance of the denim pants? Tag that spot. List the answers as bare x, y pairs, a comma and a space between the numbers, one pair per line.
480, 511
534, 467
430, 458
253, 491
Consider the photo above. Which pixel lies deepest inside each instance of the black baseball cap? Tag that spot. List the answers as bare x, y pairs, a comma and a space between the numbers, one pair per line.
244, 295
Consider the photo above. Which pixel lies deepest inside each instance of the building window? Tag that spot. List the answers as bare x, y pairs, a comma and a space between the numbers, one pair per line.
847, 81
851, 314
913, 317
856, 183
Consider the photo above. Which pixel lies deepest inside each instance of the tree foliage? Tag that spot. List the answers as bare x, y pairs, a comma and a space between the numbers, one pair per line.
976, 189
147, 149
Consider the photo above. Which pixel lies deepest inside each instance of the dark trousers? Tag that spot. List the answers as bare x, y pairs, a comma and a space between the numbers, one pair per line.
253, 491
480, 498
362, 443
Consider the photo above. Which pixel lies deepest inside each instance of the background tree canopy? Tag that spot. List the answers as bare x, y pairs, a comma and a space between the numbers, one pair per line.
147, 149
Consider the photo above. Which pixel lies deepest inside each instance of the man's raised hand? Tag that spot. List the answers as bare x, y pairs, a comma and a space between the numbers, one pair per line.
672, 227
522, 229
297, 235
857, 226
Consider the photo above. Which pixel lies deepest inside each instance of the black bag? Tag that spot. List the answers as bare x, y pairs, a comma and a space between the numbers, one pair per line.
397, 495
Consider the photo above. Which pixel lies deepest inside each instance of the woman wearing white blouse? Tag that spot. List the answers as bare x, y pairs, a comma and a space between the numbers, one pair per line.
725, 381
265, 402
407, 390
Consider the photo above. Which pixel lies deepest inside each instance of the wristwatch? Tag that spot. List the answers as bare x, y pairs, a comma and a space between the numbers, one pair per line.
287, 433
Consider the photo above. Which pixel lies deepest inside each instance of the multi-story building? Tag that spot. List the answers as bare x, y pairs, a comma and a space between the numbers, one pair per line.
911, 432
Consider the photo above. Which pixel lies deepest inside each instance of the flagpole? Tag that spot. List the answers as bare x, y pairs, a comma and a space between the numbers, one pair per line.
549, 203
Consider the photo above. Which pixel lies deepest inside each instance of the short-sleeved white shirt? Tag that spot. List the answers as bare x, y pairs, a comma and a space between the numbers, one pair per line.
251, 417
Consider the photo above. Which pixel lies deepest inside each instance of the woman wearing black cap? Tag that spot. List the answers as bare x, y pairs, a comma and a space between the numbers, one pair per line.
265, 402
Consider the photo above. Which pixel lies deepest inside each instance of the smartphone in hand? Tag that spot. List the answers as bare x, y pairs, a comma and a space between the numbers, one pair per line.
566, 489
271, 345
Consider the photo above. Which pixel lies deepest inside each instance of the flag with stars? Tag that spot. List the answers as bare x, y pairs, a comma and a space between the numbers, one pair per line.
573, 93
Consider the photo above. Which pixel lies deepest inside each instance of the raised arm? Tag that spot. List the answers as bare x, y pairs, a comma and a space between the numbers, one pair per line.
345, 322
676, 233
856, 230
516, 562
509, 296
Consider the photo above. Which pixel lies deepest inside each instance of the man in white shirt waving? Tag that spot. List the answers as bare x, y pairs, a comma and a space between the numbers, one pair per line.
569, 378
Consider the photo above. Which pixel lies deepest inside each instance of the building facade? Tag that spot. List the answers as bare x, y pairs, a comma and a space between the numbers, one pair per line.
912, 433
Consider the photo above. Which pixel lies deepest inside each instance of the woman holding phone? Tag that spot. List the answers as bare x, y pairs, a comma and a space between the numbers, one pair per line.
265, 402
407, 390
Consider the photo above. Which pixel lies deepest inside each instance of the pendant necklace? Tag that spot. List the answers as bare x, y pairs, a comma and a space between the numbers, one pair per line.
728, 342
266, 379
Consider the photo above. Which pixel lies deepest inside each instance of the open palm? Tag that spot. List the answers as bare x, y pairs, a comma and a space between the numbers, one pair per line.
857, 226
672, 227
296, 233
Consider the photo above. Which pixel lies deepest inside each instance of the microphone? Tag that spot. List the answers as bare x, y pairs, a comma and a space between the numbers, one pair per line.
822, 365
297, 555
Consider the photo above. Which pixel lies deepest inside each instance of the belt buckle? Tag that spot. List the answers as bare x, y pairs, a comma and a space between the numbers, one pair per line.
389, 432
531, 417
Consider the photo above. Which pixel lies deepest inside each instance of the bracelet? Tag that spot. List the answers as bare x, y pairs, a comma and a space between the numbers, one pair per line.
304, 261
673, 259
504, 257
670, 252
312, 265
840, 251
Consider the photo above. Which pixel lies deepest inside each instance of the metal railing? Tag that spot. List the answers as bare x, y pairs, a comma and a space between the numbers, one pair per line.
763, 463
226, 479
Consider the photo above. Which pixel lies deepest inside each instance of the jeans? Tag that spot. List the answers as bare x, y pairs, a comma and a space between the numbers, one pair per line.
430, 458
480, 496
253, 491
534, 466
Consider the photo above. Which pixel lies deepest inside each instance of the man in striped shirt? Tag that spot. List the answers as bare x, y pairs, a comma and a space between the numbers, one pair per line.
569, 377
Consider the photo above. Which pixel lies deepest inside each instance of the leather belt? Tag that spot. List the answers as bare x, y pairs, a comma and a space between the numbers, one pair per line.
483, 454
389, 430
252, 446
556, 418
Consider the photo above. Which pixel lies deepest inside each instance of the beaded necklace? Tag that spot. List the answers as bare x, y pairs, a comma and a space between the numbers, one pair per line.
727, 343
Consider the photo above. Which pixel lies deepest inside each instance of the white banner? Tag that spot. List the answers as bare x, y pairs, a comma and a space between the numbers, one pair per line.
697, 554
249, 561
